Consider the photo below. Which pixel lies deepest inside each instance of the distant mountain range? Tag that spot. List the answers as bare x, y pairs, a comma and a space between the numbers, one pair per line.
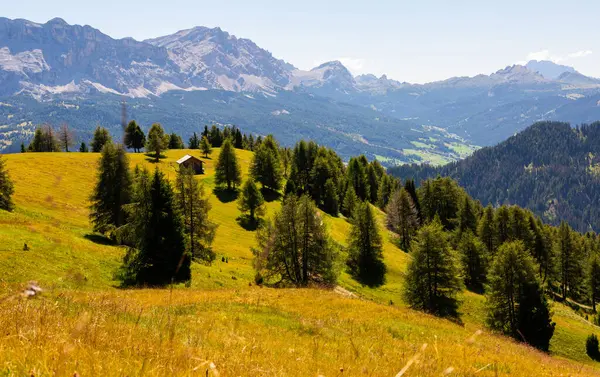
56, 72
550, 168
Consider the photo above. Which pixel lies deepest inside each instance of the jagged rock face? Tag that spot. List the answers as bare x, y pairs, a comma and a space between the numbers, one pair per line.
56, 53
215, 59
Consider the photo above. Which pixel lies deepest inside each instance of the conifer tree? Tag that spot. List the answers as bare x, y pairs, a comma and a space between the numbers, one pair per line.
175, 141
266, 167
159, 254
194, 207
22, 147
486, 230
432, 280
569, 262
205, 147
44, 140
373, 182
502, 225
83, 148
238, 139
295, 248
402, 218
6, 188
216, 137
385, 191
286, 159
357, 178
65, 137
251, 200
227, 170
516, 302
474, 261
365, 253
112, 191
194, 142
100, 139
158, 141
350, 202
411, 189
594, 281
467, 219
331, 200
134, 136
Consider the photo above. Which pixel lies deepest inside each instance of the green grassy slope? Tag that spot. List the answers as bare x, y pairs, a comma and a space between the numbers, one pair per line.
77, 272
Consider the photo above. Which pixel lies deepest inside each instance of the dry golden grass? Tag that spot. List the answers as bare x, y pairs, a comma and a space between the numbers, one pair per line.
83, 323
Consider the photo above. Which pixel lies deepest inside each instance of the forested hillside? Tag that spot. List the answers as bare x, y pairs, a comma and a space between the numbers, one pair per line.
550, 168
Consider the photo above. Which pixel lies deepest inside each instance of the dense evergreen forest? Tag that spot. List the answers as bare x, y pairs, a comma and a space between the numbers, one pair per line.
550, 168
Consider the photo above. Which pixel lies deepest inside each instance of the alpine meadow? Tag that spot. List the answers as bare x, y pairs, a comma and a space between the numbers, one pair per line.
183, 202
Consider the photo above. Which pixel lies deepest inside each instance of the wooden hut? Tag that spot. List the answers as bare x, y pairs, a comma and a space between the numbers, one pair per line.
189, 161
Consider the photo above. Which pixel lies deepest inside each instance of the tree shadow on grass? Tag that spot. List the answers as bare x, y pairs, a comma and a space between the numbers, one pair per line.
249, 224
151, 157
270, 195
225, 195
99, 239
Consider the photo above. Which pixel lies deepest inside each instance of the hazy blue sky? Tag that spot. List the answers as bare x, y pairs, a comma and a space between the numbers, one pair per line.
416, 41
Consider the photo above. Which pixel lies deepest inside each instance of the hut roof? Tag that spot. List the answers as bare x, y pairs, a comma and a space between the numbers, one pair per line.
187, 157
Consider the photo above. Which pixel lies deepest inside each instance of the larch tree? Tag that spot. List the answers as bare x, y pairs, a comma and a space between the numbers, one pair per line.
593, 280
569, 263
266, 166
474, 260
433, 276
251, 200
402, 217
65, 137
205, 147
331, 199
486, 230
175, 141
6, 188
365, 252
295, 248
350, 202
134, 136
194, 207
159, 255
158, 141
227, 170
194, 142
100, 139
515, 300
112, 190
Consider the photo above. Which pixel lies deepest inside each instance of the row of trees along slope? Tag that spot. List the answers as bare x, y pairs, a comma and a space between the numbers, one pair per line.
506, 253
47, 139
550, 168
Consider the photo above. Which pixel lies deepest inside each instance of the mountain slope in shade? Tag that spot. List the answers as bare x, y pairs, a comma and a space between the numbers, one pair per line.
550, 168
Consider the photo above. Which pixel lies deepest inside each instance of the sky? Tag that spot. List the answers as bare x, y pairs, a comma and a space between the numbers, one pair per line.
415, 41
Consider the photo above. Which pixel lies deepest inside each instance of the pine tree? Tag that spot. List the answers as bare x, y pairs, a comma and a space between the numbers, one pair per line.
350, 202
402, 218
569, 263
474, 261
295, 248
251, 200
158, 141
593, 280
194, 142
6, 188
159, 255
410, 187
134, 136
83, 148
227, 170
373, 182
331, 200
101, 138
194, 207
205, 132
516, 302
112, 191
357, 178
205, 147
502, 225
432, 281
467, 219
266, 167
44, 140
238, 139
215, 137
486, 230
175, 141
65, 137
365, 253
